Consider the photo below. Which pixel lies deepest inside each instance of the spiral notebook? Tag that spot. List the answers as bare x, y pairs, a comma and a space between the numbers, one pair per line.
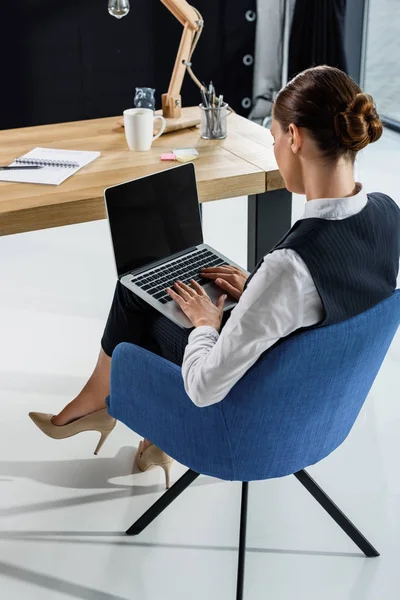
58, 165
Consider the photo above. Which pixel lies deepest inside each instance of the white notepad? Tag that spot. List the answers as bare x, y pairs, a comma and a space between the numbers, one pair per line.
58, 165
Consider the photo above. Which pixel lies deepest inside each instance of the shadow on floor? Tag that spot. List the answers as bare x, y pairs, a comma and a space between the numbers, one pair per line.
91, 473
118, 538
72, 590
83, 473
362, 584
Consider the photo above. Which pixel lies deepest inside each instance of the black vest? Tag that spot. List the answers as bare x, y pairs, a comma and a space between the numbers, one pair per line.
354, 261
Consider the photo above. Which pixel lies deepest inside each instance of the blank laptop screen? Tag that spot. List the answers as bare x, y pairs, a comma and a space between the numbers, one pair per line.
154, 217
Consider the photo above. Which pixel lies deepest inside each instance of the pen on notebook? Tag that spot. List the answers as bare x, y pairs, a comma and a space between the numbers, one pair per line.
19, 168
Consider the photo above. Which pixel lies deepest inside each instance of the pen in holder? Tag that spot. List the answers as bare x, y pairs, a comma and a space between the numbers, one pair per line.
213, 125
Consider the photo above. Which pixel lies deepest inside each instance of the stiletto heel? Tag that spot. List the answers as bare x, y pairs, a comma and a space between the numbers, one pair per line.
98, 421
154, 457
167, 471
103, 436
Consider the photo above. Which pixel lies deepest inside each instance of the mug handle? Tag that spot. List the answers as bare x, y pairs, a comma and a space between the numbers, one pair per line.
163, 126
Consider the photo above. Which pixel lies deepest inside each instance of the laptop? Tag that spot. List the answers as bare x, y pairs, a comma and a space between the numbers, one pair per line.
157, 238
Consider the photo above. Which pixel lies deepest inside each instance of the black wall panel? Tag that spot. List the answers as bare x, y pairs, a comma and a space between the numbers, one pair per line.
70, 60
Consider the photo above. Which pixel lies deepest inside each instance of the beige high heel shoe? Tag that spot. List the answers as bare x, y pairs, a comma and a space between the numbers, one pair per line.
154, 457
98, 421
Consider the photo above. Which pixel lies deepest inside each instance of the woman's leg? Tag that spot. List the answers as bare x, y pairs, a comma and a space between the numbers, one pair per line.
128, 321
93, 395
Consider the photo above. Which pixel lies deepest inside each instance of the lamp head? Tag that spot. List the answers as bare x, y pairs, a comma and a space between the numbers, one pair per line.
118, 8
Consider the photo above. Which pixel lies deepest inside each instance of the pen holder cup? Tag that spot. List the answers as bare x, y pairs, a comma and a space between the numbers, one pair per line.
213, 124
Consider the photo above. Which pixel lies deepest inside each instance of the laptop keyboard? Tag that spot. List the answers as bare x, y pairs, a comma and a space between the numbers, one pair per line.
185, 268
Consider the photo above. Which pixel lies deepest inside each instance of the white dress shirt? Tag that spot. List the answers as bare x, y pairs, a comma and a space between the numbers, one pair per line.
280, 298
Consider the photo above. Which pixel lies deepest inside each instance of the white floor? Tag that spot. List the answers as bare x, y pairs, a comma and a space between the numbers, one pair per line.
63, 511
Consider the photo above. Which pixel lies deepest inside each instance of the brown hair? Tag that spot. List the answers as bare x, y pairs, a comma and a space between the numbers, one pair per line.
327, 102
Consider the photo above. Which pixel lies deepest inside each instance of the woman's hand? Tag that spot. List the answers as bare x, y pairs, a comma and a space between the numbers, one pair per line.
196, 304
230, 279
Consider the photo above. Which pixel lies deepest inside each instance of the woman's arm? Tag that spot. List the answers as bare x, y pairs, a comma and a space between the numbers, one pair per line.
280, 298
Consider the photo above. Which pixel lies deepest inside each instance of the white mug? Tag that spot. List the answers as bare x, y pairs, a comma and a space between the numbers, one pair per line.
139, 128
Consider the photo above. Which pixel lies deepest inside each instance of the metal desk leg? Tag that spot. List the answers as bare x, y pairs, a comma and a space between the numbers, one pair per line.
269, 218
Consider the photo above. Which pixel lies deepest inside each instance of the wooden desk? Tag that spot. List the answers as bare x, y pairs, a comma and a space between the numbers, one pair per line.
241, 165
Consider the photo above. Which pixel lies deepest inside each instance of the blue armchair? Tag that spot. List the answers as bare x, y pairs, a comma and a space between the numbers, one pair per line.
297, 404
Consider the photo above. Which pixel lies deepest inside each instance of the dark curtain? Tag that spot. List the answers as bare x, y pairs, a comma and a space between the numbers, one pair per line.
317, 35
66, 60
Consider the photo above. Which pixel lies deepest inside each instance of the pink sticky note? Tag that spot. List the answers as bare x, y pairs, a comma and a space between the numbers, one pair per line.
168, 156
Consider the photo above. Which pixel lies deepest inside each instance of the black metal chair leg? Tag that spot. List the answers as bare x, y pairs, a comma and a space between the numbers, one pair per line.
242, 541
163, 502
337, 515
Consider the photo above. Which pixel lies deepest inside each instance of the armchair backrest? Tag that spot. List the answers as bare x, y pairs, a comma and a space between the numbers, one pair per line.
300, 400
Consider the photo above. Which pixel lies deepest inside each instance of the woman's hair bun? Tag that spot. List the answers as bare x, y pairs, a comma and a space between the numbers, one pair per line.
359, 124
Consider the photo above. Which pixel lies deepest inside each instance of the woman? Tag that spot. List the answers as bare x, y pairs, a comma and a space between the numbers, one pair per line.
339, 260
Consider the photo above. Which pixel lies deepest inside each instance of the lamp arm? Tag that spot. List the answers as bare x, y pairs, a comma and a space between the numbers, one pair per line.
192, 23
185, 13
